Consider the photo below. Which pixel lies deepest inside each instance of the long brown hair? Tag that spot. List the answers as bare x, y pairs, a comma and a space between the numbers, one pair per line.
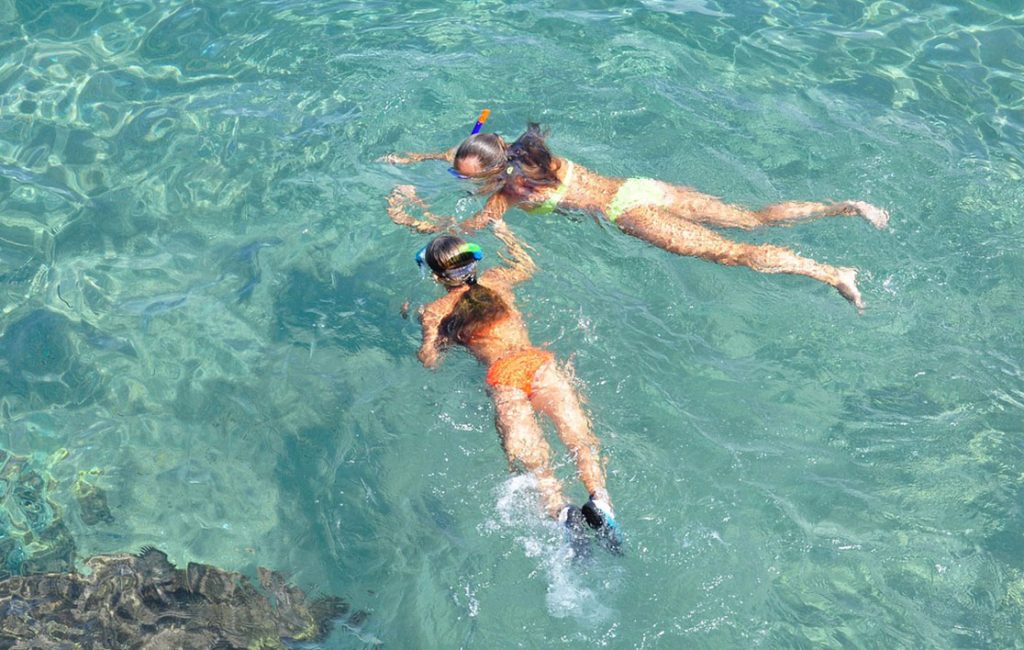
478, 307
476, 310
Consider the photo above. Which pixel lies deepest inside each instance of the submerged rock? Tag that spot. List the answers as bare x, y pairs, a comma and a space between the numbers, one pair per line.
92, 501
143, 601
33, 537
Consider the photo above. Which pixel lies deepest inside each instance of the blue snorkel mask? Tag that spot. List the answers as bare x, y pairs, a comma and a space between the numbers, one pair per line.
463, 268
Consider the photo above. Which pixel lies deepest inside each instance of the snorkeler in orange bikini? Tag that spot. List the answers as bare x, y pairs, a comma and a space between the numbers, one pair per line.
480, 314
526, 174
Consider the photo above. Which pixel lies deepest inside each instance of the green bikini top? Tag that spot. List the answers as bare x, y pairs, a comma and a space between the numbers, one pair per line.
549, 205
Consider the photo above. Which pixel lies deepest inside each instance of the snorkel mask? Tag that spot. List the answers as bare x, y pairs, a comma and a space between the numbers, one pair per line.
484, 114
463, 265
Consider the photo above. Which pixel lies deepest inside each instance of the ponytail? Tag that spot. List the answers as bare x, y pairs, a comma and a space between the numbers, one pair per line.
530, 162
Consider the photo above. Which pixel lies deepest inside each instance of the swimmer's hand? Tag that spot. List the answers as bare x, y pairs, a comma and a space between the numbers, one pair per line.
428, 356
407, 193
399, 200
395, 159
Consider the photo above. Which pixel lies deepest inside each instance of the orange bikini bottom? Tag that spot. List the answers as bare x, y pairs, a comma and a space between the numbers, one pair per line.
518, 368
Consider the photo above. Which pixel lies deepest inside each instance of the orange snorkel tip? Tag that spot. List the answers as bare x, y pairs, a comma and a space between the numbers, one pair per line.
484, 114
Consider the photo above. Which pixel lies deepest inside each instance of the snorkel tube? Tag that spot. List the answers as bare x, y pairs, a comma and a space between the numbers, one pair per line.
484, 114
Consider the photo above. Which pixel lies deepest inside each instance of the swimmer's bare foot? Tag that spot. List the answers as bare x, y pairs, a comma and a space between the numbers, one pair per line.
846, 285
877, 217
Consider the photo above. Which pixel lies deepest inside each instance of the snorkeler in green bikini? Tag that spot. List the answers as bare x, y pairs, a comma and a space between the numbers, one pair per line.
527, 175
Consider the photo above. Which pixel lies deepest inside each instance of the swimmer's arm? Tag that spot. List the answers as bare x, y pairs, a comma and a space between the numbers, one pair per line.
430, 320
492, 211
401, 196
411, 157
429, 354
519, 265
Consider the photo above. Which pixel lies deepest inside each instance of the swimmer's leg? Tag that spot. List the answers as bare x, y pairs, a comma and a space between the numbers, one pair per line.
704, 208
524, 444
554, 395
685, 238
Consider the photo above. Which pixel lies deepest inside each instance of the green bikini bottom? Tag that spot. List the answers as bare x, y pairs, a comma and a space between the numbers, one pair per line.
635, 192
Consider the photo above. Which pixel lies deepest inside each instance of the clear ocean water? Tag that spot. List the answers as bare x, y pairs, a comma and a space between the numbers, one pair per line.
200, 294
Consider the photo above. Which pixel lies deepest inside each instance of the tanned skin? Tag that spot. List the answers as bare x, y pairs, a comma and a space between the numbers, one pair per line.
553, 393
680, 226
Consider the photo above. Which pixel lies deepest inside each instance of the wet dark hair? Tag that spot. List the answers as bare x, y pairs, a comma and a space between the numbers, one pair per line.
445, 253
492, 152
478, 307
488, 148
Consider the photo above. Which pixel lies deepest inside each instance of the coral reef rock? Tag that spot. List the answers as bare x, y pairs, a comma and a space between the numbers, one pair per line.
144, 602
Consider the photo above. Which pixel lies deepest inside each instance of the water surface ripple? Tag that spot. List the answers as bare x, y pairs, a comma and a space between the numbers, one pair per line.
200, 294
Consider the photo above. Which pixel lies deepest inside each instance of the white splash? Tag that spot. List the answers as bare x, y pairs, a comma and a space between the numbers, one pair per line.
518, 511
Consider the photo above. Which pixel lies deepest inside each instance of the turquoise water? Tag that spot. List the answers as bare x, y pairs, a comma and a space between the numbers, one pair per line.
200, 293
